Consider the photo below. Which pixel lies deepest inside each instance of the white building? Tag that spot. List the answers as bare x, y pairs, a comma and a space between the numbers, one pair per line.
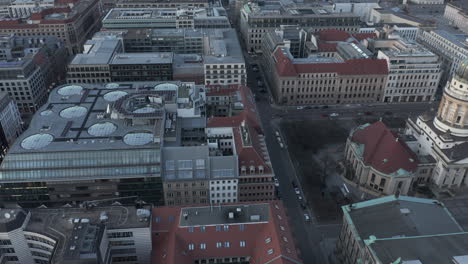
76, 235
427, 2
223, 190
457, 13
24, 8
393, 31
445, 136
414, 72
451, 48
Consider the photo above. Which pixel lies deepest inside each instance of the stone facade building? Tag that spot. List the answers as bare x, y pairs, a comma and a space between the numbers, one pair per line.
457, 13
71, 21
445, 136
378, 162
414, 72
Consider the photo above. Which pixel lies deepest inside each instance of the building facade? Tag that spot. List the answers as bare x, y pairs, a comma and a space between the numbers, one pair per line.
256, 20
115, 130
30, 66
324, 80
378, 162
457, 13
209, 56
73, 22
172, 18
445, 136
452, 49
414, 72
87, 235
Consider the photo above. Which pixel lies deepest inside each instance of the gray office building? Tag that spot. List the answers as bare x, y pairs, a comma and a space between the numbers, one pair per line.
93, 142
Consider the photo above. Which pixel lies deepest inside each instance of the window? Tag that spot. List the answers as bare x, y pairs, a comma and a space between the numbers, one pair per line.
191, 246
219, 244
270, 251
170, 165
190, 229
184, 164
242, 244
226, 228
202, 246
227, 244
202, 229
241, 227
200, 163
268, 240
120, 234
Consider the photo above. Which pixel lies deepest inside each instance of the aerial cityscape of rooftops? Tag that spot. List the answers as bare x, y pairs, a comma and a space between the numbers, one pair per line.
233, 131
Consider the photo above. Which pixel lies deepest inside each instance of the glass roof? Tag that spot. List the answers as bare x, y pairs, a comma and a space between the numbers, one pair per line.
73, 112
37, 141
138, 138
166, 86
70, 90
114, 96
143, 110
112, 85
47, 112
102, 129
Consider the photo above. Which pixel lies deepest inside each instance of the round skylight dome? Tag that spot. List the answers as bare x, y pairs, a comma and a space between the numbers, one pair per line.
73, 112
102, 129
114, 96
46, 113
37, 141
112, 86
144, 110
166, 86
70, 90
138, 138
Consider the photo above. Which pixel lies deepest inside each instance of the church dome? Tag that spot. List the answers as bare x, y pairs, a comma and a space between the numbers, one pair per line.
462, 70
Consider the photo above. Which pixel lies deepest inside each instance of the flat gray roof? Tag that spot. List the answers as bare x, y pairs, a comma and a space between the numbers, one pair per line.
97, 51
402, 217
428, 250
142, 58
59, 223
219, 215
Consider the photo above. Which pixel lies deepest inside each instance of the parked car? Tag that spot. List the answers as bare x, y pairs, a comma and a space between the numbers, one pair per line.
307, 217
299, 198
281, 145
324, 115
299, 107
277, 133
334, 114
276, 182
255, 69
308, 107
368, 113
303, 206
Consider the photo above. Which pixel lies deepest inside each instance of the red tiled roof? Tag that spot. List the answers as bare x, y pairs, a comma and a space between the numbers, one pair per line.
249, 113
327, 46
333, 35
383, 151
170, 241
361, 36
285, 67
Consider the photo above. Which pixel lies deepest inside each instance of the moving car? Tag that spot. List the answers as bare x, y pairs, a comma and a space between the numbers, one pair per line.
299, 198
297, 191
299, 107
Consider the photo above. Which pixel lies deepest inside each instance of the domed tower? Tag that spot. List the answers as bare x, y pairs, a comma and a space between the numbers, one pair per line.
452, 116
